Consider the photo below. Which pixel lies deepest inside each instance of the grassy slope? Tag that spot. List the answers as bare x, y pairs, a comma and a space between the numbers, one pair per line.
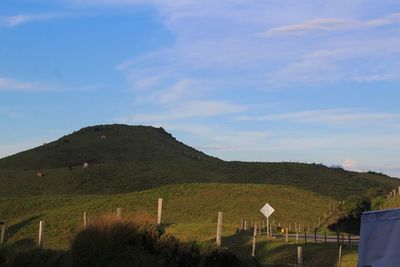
392, 203
280, 253
189, 212
138, 158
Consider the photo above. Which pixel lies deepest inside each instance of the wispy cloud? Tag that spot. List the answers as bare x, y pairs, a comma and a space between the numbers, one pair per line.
333, 24
13, 85
334, 116
16, 20
8, 84
198, 108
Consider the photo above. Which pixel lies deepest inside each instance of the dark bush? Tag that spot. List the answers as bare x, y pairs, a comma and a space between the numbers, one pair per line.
2, 256
114, 242
40, 258
222, 258
109, 242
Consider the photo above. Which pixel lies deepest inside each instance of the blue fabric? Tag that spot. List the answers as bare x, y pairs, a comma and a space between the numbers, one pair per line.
380, 239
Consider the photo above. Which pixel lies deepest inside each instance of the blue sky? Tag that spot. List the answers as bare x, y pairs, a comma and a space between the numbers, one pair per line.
307, 81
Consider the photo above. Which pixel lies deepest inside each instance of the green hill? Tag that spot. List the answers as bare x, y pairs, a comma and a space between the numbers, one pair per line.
104, 144
132, 158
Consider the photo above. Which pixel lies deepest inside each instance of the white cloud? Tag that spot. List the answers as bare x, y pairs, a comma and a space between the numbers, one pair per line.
328, 116
12, 85
350, 164
8, 84
347, 59
323, 24
222, 37
198, 108
333, 24
177, 92
16, 20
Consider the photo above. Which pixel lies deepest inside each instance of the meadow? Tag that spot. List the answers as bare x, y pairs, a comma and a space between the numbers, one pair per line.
189, 213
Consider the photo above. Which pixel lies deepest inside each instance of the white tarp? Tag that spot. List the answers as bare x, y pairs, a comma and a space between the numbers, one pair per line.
380, 239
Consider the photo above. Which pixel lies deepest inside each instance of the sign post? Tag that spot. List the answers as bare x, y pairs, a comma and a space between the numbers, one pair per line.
267, 210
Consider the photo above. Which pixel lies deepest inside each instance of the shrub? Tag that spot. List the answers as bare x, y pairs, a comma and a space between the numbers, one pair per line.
110, 241
222, 258
40, 258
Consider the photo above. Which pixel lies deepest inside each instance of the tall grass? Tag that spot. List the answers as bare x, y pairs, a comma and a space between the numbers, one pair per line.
112, 241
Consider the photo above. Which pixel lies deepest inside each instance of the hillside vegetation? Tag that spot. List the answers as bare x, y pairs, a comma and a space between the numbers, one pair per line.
189, 213
189, 210
132, 158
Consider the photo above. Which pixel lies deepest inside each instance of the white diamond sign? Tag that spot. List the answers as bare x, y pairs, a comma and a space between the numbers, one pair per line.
267, 210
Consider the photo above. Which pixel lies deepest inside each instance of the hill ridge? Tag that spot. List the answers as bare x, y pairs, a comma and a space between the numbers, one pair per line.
126, 158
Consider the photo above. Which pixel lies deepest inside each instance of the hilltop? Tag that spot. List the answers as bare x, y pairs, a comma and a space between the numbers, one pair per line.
132, 158
104, 144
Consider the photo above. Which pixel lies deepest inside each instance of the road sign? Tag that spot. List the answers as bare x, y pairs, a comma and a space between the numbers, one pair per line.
267, 210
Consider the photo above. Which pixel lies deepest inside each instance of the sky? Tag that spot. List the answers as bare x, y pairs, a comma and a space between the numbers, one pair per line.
260, 80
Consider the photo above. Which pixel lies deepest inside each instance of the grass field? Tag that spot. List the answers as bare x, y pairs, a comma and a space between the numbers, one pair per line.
392, 203
189, 213
280, 253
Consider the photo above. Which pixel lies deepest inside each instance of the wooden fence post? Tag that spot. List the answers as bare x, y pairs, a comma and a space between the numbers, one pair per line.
41, 226
350, 241
287, 235
159, 211
219, 229
84, 220
245, 225
299, 256
315, 235
340, 256
305, 236
297, 237
337, 235
2, 235
253, 252
119, 213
